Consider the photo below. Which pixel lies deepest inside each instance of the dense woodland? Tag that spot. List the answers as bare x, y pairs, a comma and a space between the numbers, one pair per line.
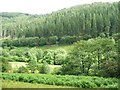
83, 20
92, 31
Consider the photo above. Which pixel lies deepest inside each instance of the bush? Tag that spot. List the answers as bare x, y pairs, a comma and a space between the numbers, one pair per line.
32, 64
42, 41
116, 36
48, 56
86, 37
60, 56
102, 35
6, 67
56, 70
40, 68
66, 80
68, 39
36, 41
31, 41
87, 84
16, 42
6, 42
39, 55
19, 42
14, 58
52, 40
22, 70
109, 69
4, 52
45, 68
6, 58
25, 54
19, 52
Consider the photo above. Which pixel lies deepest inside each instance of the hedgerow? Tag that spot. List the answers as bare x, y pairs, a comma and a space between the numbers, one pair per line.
64, 80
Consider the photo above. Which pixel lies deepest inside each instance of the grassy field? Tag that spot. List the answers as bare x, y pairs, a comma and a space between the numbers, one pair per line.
16, 84
16, 65
52, 47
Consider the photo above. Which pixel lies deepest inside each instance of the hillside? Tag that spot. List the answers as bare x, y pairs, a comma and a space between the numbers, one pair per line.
73, 47
83, 20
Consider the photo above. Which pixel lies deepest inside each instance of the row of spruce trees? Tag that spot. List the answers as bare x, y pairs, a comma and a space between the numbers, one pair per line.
92, 19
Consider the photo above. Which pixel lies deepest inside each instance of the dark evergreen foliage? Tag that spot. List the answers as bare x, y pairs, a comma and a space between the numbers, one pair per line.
92, 19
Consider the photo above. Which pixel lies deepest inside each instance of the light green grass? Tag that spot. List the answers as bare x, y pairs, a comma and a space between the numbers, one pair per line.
52, 47
16, 65
16, 84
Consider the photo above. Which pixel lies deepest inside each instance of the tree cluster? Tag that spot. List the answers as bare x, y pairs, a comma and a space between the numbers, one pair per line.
53, 57
93, 57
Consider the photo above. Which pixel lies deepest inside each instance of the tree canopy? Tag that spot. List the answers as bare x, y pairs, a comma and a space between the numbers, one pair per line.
91, 19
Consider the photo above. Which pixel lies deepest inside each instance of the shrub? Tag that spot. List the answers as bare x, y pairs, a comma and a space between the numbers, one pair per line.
68, 39
18, 42
31, 41
39, 55
45, 68
48, 56
6, 42
32, 65
60, 56
23, 59
109, 69
6, 67
102, 35
5, 52
56, 70
36, 41
86, 37
66, 80
14, 58
52, 40
19, 52
42, 41
22, 70
116, 36
40, 68
5, 58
